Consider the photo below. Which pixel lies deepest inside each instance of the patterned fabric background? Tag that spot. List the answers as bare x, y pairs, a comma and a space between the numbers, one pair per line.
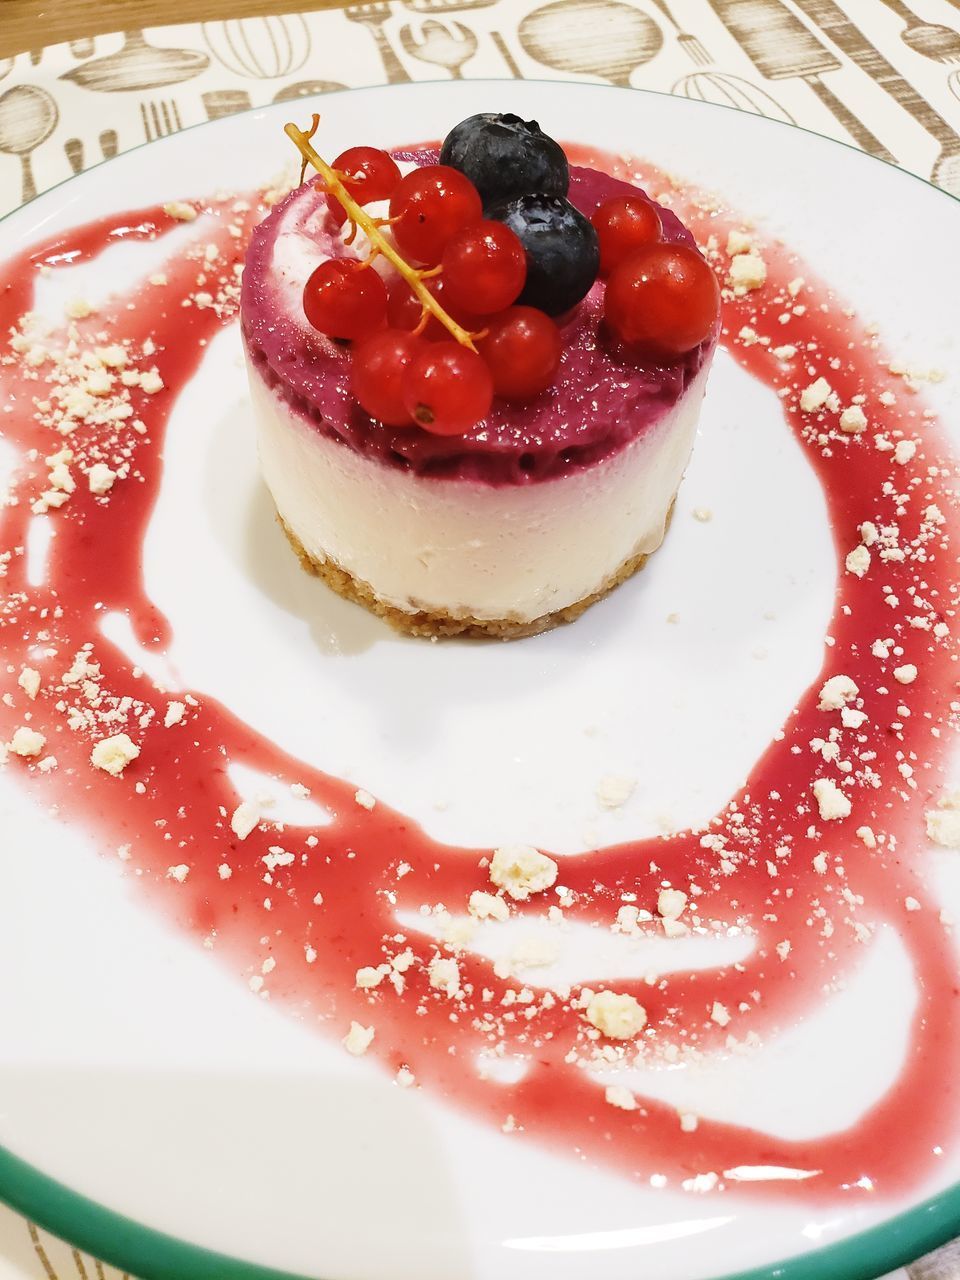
875, 73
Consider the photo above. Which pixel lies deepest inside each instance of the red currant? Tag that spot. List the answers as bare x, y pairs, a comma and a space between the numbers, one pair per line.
522, 351
368, 173
430, 205
379, 363
404, 310
623, 224
345, 299
484, 267
447, 388
468, 319
664, 299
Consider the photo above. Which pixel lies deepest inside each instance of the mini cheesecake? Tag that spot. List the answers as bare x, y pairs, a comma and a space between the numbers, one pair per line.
518, 524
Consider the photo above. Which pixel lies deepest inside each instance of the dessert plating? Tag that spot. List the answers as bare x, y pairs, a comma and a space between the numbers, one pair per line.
493, 470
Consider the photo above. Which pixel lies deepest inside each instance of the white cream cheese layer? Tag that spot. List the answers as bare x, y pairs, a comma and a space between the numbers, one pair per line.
461, 547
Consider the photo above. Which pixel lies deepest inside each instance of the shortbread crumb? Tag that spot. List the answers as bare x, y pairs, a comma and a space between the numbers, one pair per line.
521, 870
113, 754
618, 1016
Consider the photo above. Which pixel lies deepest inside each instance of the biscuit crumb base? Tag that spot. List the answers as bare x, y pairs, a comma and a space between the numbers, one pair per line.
434, 623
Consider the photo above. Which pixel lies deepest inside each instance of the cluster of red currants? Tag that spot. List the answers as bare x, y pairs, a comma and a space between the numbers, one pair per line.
404, 372
661, 298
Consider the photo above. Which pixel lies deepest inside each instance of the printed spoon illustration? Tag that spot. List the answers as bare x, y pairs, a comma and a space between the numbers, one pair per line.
28, 116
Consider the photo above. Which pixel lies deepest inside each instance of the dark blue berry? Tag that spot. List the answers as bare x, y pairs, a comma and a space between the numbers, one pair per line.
563, 254
504, 156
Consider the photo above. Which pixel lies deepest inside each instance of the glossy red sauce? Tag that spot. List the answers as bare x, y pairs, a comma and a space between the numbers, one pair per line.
182, 815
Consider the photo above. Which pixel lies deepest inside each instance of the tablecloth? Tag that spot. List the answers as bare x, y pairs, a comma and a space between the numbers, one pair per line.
874, 73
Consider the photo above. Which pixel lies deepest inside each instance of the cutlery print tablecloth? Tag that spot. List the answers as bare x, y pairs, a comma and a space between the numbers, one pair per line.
875, 73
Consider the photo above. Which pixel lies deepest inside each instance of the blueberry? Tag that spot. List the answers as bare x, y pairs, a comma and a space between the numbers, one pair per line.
504, 156
563, 254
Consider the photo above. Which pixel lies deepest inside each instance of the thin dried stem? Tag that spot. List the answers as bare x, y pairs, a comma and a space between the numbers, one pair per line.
371, 228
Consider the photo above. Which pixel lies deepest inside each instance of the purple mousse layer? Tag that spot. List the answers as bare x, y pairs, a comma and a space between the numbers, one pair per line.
602, 398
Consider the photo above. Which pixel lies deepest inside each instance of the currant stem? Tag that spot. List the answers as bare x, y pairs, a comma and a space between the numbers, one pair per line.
371, 228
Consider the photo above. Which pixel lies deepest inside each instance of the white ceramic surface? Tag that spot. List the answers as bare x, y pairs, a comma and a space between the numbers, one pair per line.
158, 1085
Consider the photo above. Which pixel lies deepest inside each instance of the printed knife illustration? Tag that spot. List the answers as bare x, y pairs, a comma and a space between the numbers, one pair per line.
781, 47
834, 23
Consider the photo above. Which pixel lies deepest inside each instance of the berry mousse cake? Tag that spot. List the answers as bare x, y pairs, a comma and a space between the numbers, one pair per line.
476, 376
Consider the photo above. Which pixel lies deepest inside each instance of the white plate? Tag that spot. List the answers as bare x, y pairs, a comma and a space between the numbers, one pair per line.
145, 1076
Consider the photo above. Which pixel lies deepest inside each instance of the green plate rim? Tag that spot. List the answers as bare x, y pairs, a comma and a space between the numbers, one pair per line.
153, 1255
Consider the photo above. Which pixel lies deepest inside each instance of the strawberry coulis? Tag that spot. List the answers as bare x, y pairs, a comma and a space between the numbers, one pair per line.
330, 910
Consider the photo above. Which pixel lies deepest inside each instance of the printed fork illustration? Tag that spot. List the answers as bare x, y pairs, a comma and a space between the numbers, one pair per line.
441, 46
374, 16
689, 43
160, 119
